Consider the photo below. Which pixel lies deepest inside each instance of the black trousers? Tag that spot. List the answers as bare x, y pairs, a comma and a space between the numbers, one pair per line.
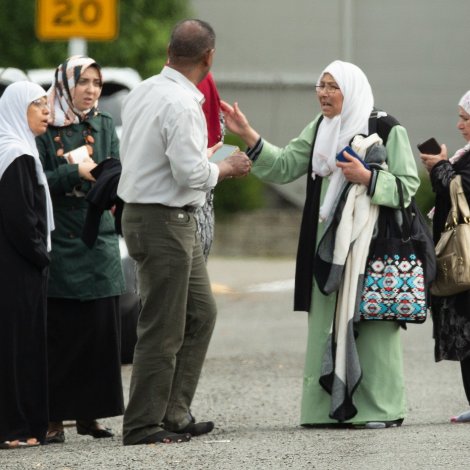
465, 367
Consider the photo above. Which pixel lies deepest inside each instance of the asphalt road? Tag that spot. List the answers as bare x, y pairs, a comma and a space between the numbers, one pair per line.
251, 386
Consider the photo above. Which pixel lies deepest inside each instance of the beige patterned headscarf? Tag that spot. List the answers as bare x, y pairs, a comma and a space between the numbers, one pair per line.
61, 93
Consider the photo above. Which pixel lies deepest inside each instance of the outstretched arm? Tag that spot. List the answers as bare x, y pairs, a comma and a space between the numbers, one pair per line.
238, 124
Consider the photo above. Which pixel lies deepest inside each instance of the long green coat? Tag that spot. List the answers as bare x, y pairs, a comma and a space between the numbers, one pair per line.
77, 272
381, 394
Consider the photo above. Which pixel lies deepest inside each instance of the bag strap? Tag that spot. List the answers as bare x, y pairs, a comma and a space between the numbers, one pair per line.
459, 208
382, 124
388, 223
406, 230
373, 121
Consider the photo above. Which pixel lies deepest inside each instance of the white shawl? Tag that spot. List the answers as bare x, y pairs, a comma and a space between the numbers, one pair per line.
341, 370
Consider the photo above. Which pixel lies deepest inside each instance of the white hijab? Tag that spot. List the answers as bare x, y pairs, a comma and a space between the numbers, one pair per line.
17, 139
465, 104
335, 133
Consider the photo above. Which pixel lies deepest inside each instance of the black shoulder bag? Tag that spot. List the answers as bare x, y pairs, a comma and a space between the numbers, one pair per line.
395, 284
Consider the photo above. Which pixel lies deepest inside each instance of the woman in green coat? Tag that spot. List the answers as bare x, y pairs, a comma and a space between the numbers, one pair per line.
84, 283
368, 389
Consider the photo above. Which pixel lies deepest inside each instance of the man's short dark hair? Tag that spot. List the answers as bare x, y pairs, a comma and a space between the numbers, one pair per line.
190, 40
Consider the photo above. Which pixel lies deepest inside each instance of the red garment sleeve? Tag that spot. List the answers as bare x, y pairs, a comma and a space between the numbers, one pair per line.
211, 108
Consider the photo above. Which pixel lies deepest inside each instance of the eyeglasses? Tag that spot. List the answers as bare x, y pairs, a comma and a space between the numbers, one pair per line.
41, 104
328, 89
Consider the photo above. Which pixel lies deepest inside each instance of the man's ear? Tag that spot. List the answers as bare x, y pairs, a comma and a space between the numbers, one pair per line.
208, 57
168, 54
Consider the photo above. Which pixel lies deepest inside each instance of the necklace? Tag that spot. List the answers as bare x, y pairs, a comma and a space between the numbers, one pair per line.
87, 137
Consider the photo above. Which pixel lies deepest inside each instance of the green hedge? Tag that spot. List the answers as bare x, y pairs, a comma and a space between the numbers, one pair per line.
425, 195
238, 194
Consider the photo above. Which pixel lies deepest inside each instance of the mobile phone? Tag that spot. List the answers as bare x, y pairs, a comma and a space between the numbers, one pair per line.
430, 147
224, 152
341, 158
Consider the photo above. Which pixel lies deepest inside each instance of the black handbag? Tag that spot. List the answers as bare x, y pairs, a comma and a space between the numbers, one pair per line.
400, 266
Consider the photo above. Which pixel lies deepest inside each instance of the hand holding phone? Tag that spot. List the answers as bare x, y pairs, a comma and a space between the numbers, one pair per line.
430, 147
341, 158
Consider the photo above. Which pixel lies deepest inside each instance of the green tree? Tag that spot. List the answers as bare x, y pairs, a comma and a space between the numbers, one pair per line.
144, 29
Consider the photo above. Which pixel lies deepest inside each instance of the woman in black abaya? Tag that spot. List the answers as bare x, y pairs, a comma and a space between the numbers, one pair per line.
25, 224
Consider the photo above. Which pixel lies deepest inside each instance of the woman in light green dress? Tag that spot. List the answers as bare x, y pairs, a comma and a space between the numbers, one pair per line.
377, 399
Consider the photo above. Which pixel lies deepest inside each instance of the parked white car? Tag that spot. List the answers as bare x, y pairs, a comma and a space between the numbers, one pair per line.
9, 75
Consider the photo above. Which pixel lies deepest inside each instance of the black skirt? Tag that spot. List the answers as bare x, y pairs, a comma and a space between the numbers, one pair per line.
23, 364
84, 359
451, 327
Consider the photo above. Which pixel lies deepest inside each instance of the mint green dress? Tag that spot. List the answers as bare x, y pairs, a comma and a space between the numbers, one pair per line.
380, 395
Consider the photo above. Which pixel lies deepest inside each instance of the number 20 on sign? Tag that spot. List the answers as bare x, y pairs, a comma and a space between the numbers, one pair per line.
65, 19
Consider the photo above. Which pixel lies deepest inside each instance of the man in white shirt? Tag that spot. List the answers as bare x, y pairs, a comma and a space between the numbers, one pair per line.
165, 175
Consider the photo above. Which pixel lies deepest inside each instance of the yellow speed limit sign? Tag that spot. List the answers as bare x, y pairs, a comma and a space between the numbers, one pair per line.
87, 19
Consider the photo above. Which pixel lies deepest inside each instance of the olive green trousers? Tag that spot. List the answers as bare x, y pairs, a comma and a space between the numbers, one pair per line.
176, 321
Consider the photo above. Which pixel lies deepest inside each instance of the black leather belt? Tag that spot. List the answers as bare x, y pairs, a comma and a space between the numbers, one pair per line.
189, 209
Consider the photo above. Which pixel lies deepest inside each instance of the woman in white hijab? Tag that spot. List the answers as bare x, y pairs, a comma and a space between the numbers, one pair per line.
25, 225
450, 317
369, 390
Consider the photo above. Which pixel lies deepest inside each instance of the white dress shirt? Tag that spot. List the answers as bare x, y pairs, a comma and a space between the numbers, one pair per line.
164, 143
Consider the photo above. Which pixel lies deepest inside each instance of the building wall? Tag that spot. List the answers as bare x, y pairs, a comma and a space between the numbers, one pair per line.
270, 53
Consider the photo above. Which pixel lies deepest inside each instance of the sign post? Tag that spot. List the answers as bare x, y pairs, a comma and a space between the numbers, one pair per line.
96, 20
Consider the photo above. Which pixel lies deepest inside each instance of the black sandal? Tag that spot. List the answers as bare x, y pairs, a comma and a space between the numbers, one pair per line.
164, 437
380, 424
92, 428
197, 429
55, 433
18, 444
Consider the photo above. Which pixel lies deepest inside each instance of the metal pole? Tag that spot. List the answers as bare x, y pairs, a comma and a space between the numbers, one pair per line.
77, 46
347, 31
